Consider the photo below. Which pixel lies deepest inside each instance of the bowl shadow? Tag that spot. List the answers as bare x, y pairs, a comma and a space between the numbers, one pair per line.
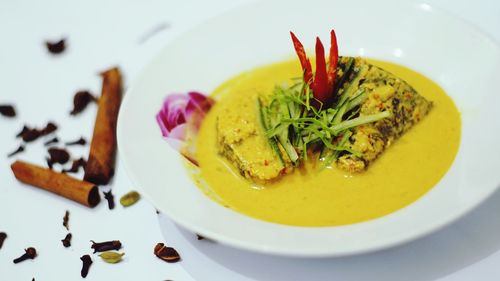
461, 244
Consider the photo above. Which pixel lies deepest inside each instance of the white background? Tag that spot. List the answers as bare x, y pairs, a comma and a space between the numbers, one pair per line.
105, 33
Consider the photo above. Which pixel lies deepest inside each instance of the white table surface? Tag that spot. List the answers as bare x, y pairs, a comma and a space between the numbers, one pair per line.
105, 33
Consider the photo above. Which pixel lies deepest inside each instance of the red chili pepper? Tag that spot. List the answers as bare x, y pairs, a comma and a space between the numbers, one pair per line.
320, 85
304, 61
333, 60
324, 80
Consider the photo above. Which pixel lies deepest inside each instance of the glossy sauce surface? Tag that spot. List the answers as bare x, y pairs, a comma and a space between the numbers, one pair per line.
409, 168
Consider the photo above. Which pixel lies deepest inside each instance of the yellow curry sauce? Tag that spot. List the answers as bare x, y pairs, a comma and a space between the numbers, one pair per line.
409, 168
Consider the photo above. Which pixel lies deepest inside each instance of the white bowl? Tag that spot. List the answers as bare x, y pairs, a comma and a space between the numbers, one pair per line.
458, 57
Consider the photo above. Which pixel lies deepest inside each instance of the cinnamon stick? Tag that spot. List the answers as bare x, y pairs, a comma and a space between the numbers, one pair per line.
100, 164
83, 192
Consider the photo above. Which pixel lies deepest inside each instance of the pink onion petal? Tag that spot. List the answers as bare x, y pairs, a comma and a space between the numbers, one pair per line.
198, 102
175, 118
180, 113
162, 123
178, 132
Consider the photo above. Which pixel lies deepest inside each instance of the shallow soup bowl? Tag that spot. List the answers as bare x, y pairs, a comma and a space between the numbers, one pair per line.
462, 60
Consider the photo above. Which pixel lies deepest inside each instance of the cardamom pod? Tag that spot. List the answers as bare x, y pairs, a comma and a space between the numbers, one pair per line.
130, 198
111, 257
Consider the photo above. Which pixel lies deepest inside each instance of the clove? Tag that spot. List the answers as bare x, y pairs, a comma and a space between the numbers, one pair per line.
81, 100
18, 150
106, 246
51, 141
30, 253
87, 261
80, 141
49, 128
58, 155
23, 131
56, 47
3, 236
110, 198
7, 110
50, 164
67, 240
75, 166
66, 220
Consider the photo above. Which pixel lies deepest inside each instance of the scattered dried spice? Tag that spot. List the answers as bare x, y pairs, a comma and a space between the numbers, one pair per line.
130, 198
87, 261
3, 236
106, 246
30, 134
51, 141
49, 128
30, 253
110, 198
102, 153
23, 130
49, 163
66, 220
81, 100
56, 47
80, 141
63, 185
58, 155
199, 237
165, 253
157, 212
75, 166
67, 240
7, 110
112, 257
18, 150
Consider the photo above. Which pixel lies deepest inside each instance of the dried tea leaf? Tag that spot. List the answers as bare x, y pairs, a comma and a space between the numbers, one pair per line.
112, 257
130, 198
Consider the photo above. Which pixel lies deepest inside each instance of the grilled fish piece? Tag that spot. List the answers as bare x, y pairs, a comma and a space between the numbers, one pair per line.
243, 142
384, 92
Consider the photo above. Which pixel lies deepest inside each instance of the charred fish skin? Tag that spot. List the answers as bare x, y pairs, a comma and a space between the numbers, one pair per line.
385, 92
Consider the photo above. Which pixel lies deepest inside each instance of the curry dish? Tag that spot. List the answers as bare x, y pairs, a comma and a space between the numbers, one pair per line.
414, 144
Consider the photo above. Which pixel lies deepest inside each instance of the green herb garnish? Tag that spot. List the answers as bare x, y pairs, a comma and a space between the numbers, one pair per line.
296, 122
